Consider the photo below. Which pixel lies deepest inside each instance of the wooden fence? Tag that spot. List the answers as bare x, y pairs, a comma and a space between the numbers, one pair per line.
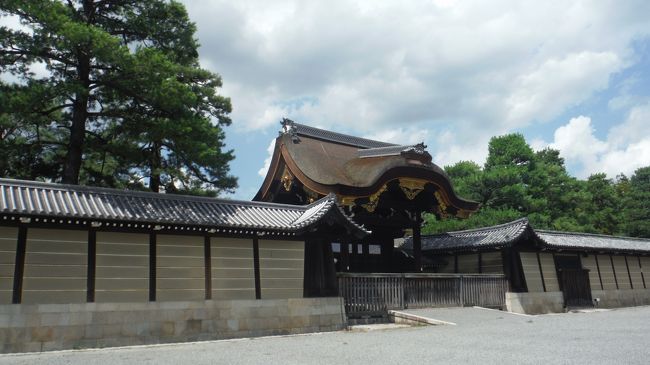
374, 294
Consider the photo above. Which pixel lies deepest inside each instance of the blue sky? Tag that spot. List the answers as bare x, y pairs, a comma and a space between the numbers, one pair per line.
570, 75
452, 73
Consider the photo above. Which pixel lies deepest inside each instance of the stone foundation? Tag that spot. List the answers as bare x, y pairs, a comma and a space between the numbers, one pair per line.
44, 327
621, 298
535, 303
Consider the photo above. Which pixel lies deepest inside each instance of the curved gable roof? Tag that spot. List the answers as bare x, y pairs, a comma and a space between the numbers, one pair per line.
328, 162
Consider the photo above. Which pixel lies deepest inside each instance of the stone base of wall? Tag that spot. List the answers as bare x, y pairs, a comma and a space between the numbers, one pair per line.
535, 303
621, 298
44, 327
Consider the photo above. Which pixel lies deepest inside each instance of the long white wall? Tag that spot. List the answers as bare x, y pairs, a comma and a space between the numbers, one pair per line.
56, 264
8, 240
56, 267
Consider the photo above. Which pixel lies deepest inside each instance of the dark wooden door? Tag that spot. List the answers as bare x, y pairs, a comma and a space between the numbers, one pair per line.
576, 288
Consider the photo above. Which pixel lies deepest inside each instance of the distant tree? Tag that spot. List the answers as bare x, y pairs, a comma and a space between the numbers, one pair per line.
517, 182
124, 103
484, 218
507, 173
604, 207
637, 204
466, 176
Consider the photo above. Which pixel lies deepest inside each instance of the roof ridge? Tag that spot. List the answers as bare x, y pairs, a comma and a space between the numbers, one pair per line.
141, 194
548, 231
309, 131
484, 229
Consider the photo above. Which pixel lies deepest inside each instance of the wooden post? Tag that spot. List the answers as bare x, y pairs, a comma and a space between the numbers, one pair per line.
641, 270
207, 257
152, 267
417, 243
611, 261
365, 256
19, 268
345, 257
92, 265
256, 266
629, 275
541, 272
600, 278
387, 248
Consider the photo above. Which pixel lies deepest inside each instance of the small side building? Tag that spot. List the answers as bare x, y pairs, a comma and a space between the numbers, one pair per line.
547, 271
89, 267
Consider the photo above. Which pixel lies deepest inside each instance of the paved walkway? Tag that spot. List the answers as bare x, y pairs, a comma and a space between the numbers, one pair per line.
469, 316
480, 337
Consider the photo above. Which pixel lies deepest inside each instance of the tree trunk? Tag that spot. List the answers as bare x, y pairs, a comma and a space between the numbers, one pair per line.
74, 156
154, 165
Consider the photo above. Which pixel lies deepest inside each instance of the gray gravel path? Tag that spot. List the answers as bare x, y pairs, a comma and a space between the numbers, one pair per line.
480, 337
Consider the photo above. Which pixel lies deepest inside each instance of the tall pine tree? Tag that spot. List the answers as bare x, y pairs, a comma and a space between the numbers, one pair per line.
124, 101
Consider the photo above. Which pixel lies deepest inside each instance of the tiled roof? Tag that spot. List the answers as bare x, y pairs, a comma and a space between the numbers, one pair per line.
29, 198
593, 242
474, 239
305, 130
519, 231
391, 151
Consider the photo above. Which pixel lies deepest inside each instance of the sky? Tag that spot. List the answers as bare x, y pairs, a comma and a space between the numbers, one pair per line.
571, 75
574, 76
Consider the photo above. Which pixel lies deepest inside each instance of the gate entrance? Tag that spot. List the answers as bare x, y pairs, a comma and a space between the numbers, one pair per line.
372, 295
576, 288
574, 281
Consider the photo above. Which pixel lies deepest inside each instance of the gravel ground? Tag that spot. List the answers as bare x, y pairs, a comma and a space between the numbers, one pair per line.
480, 336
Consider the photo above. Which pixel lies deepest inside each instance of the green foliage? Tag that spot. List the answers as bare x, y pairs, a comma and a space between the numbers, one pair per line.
487, 217
124, 102
517, 182
637, 214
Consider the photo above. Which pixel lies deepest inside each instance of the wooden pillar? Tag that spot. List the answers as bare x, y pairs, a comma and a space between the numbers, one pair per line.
365, 256
345, 257
319, 270
256, 267
417, 243
92, 265
152, 267
354, 257
387, 248
19, 265
207, 263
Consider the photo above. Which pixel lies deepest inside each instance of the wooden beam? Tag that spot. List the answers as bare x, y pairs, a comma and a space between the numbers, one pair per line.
207, 257
256, 265
627, 266
92, 266
641, 270
611, 260
541, 272
345, 256
417, 243
600, 278
19, 265
365, 256
152, 267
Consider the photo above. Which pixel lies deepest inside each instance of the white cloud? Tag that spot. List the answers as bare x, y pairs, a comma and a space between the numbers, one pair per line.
365, 67
267, 162
557, 83
626, 148
401, 135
